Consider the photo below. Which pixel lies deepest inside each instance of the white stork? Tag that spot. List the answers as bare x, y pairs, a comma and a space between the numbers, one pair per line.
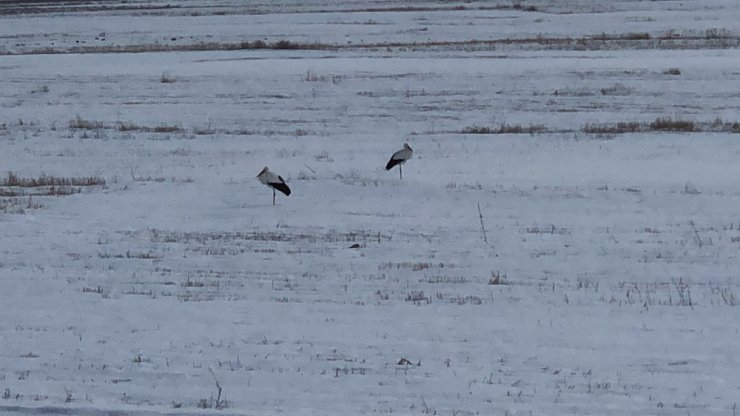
274, 181
399, 158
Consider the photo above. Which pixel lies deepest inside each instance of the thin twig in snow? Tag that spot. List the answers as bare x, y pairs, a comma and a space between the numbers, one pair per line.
482, 226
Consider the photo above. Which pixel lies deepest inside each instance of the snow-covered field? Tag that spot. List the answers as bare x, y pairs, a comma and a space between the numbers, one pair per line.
562, 263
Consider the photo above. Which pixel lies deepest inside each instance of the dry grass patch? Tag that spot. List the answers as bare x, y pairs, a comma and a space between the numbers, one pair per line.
671, 39
668, 124
203, 131
619, 128
123, 126
162, 128
617, 89
718, 125
14, 180
14, 205
78, 123
636, 36
505, 129
192, 47
167, 129
166, 78
659, 124
14, 186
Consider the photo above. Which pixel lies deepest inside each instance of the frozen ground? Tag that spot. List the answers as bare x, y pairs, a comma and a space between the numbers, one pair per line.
606, 280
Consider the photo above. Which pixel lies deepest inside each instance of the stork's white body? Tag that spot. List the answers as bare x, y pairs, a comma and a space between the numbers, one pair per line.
399, 158
274, 181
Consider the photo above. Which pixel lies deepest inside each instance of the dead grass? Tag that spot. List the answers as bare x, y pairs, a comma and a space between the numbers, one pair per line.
78, 123
659, 124
547, 229
167, 129
619, 128
520, 6
615, 90
313, 77
718, 125
417, 297
14, 180
668, 124
127, 127
16, 205
47, 191
35, 7
361, 236
161, 179
15, 187
166, 78
497, 278
671, 39
506, 129
162, 128
123, 126
193, 47
636, 36
203, 131
672, 71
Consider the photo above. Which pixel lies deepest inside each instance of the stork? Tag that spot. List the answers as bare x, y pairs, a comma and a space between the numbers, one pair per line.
399, 158
274, 181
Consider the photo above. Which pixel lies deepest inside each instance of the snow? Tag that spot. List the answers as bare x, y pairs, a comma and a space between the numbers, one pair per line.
616, 254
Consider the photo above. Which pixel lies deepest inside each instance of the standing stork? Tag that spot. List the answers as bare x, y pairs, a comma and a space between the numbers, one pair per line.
399, 158
274, 181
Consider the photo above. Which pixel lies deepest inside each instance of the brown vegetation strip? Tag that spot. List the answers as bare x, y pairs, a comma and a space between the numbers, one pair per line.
161, 47
660, 124
44, 6
14, 180
506, 129
634, 40
663, 124
79, 123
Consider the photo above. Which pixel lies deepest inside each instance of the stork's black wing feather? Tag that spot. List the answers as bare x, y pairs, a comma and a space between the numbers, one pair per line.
281, 186
393, 162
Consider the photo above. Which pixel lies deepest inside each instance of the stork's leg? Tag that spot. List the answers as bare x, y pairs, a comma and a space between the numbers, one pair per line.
273, 196
400, 171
